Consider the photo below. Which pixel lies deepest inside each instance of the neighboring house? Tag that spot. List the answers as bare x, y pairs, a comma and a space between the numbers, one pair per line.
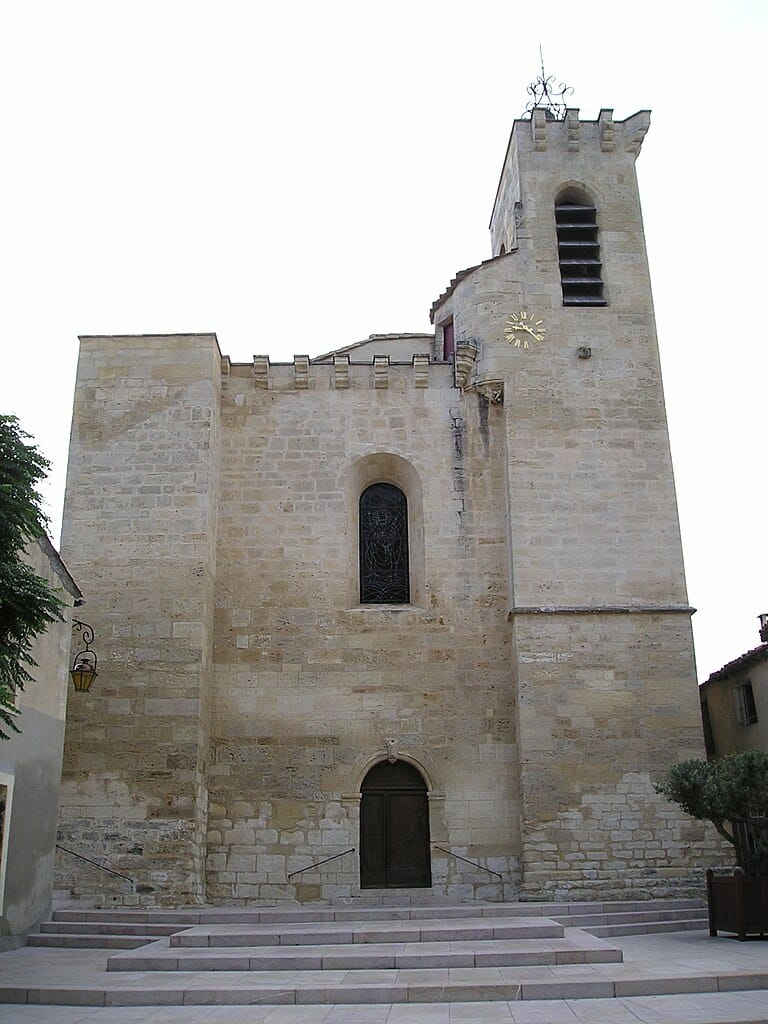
30, 765
734, 704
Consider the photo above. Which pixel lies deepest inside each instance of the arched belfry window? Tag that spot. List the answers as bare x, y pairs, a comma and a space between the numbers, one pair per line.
384, 571
578, 250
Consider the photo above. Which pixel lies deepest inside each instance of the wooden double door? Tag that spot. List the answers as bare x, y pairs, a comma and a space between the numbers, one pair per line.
394, 828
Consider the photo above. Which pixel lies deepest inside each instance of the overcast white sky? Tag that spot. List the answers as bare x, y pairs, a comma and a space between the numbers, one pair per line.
297, 176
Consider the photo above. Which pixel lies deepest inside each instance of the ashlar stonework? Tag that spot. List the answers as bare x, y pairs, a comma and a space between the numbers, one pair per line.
540, 674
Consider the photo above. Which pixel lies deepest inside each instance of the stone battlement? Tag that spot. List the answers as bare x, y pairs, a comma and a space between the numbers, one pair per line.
573, 133
340, 371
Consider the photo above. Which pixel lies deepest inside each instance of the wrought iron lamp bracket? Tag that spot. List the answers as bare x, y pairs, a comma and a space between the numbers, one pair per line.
84, 664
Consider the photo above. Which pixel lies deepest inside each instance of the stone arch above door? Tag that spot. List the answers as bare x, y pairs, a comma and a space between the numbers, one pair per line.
362, 769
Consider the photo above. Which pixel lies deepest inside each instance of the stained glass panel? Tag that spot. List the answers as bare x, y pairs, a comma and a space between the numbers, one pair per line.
383, 546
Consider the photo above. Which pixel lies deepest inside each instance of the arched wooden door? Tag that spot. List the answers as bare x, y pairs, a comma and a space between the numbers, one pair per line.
394, 828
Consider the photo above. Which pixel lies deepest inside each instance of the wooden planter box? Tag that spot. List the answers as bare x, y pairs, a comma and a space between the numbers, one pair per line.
737, 904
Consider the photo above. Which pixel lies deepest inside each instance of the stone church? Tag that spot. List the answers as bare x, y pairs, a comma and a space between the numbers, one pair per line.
407, 614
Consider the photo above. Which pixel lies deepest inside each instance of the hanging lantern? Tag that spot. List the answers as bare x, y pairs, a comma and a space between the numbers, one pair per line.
83, 669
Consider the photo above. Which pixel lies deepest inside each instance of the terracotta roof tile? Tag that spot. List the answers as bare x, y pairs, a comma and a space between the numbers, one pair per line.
750, 658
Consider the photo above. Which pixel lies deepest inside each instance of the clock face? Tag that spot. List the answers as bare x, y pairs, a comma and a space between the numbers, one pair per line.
522, 328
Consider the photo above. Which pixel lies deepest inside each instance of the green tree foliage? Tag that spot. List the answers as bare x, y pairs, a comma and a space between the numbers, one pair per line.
732, 793
27, 603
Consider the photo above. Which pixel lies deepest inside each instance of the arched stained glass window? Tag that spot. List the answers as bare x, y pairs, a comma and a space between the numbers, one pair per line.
384, 577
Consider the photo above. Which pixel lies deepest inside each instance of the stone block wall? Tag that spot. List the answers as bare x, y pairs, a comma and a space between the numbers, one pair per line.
606, 703
140, 525
309, 684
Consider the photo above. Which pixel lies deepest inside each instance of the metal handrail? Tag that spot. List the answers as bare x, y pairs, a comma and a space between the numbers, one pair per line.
319, 862
96, 864
474, 863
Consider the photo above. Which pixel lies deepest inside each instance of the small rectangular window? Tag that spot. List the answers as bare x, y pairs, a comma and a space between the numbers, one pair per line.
709, 737
449, 345
746, 711
6, 794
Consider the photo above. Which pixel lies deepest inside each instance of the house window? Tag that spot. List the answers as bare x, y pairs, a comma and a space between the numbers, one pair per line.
449, 345
578, 251
384, 570
6, 793
746, 712
3, 808
709, 736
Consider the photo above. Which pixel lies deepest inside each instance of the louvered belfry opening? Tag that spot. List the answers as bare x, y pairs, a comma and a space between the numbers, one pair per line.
579, 253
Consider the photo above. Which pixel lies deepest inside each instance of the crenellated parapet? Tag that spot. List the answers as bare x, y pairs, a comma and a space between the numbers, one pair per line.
545, 133
545, 154
340, 371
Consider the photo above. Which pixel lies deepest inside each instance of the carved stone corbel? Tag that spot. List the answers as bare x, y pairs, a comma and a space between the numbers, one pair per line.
572, 124
421, 370
261, 371
607, 131
539, 128
466, 354
301, 371
491, 390
381, 371
641, 128
390, 745
341, 371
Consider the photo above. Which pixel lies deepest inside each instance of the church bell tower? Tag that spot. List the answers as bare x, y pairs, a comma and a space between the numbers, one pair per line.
556, 331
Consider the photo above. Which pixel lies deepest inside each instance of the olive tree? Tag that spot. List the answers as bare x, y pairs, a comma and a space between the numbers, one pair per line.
28, 604
732, 793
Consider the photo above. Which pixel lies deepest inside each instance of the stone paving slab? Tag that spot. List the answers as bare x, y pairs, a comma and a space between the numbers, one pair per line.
715, 1008
377, 986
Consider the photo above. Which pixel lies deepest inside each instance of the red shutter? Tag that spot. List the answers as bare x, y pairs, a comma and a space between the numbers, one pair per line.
449, 346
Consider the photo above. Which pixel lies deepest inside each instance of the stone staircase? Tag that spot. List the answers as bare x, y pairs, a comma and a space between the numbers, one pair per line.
404, 952
131, 929
379, 948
